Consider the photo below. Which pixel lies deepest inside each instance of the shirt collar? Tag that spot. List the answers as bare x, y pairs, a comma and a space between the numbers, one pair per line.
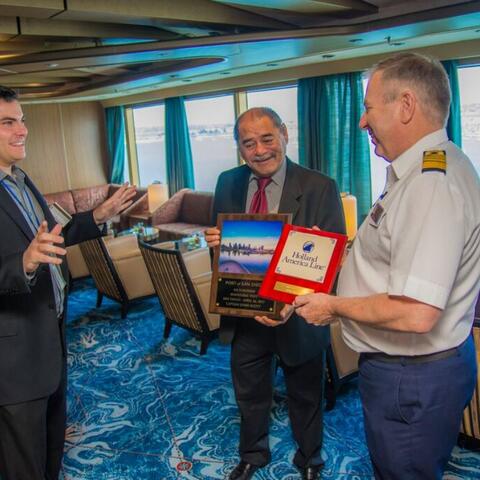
18, 176
278, 178
408, 159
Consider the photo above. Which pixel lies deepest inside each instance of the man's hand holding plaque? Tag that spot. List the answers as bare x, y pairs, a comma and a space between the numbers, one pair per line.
305, 261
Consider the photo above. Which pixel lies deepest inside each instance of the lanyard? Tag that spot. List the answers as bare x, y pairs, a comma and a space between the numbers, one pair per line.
29, 215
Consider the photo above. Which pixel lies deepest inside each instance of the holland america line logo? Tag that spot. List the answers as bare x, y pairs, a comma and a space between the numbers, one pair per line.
308, 247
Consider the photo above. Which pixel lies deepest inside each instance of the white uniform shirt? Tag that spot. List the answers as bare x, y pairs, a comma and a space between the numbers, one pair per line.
424, 244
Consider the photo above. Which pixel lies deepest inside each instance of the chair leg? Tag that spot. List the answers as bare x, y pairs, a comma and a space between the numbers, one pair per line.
167, 329
99, 299
330, 396
204, 345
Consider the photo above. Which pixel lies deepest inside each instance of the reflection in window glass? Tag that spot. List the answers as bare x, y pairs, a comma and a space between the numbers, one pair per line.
210, 122
469, 79
284, 102
149, 125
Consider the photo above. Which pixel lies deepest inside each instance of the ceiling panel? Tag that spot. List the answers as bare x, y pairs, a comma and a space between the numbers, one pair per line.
105, 48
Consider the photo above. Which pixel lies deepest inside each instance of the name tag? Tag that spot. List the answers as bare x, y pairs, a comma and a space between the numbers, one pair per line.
377, 213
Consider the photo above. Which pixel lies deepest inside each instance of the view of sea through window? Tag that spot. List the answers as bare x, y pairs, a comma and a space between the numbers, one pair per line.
284, 102
150, 141
210, 122
377, 164
469, 79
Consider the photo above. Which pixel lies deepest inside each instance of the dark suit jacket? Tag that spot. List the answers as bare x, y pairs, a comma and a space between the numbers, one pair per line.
312, 199
32, 342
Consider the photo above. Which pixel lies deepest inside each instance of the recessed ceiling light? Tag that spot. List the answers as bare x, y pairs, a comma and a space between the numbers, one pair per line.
356, 40
328, 55
52, 65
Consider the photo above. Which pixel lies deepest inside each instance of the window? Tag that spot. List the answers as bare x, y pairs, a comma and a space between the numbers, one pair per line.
378, 165
469, 79
284, 102
149, 123
210, 122
126, 176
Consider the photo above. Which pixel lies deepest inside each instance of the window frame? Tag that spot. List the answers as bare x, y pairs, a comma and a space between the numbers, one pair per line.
239, 106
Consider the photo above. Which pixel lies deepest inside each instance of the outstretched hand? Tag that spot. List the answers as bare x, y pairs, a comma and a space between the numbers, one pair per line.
118, 202
42, 248
315, 308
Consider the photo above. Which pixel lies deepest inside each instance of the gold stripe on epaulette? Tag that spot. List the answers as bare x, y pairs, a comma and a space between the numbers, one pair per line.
434, 161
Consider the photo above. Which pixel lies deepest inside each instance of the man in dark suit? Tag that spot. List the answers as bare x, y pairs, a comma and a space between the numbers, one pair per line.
312, 199
33, 286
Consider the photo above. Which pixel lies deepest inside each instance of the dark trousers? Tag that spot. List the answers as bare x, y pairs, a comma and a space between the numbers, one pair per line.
413, 413
32, 436
252, 363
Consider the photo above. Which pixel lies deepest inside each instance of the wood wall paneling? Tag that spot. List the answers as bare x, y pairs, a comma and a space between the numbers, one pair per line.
66, 145
85, 146
45, 162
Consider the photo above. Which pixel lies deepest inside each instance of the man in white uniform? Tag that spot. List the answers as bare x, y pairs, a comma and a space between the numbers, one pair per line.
408, 289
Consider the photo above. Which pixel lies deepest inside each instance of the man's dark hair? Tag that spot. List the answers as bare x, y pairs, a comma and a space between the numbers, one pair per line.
7, 94
258, 112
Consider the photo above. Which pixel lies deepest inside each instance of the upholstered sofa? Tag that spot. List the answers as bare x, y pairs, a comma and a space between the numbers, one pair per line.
81, 200
185, 213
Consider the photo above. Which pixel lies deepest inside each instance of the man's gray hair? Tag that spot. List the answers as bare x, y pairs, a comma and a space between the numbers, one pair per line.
424, 75
257, 112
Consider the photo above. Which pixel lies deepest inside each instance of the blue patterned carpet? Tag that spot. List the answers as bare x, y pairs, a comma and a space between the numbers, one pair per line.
141, 408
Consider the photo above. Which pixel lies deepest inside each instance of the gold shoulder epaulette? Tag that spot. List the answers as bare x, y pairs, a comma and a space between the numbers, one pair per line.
434, 161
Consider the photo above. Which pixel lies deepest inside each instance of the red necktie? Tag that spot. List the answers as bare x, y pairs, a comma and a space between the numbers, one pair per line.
259, 201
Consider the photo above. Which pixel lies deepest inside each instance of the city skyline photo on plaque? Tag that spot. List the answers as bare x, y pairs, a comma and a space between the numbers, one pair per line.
247, 244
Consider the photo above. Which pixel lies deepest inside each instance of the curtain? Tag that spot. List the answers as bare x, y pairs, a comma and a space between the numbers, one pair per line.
329, 109
454, 124
115, 124
177, 144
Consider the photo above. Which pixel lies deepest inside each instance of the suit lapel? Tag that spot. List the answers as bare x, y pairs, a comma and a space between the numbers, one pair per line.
41, 201
292, 191
240, 194
11, 209
48, 216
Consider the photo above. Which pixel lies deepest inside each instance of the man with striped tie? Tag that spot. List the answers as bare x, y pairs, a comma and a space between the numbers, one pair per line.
269, 183
33, 291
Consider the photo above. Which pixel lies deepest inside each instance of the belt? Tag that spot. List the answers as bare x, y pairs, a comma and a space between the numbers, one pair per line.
410, 360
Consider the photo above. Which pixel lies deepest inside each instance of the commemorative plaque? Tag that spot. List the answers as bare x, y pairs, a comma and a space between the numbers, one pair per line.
305, 261
246, 247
